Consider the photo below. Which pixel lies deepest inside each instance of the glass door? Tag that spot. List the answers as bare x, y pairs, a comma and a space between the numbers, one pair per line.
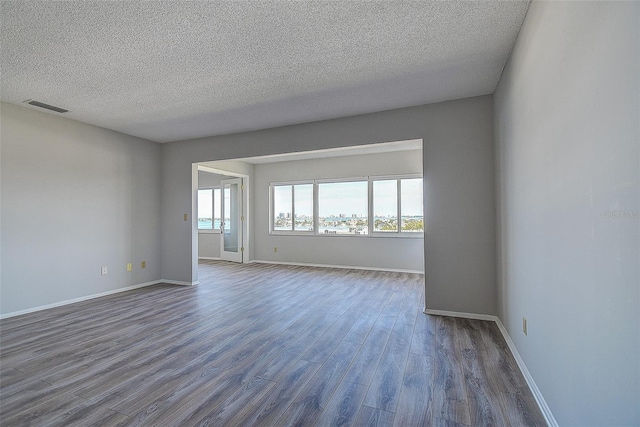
231, 226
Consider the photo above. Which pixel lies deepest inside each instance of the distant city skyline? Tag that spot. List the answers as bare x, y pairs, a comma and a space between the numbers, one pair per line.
342, 206
349, 198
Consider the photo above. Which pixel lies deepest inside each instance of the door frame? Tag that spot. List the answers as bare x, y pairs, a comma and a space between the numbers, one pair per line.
238, 255
246, 209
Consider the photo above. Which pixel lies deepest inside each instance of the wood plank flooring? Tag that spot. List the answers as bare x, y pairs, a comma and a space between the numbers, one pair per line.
260, 345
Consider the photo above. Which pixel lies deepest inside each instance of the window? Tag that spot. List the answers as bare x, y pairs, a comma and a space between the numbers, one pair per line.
388, 207
385, 206
411, 205
217, 215
303, 207
343, 208
378, 206
209, 209
227, 209
205, 209
292, 207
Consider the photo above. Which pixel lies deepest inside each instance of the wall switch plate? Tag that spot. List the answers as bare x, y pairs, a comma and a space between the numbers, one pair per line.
275, 249
143, 264
129, 267
524, 325
186, 217
103, 271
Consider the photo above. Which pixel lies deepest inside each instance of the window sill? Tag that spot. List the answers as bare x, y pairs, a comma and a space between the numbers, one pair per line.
358, 236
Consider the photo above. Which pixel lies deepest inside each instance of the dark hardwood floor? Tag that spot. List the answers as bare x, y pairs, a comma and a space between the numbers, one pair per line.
260, 345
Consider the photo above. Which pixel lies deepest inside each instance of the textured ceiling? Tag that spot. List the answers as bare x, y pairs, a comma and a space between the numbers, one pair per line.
176, 70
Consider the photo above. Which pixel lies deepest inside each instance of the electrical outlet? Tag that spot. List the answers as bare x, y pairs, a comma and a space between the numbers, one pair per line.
103, 271
186, 217
129, 267
275, 249
524, 325
143, 264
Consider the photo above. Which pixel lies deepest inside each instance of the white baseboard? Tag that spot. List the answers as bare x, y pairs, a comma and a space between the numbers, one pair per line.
346, 267
179, 283
542, 404
98, 295
80, 299
210, 258
459, 314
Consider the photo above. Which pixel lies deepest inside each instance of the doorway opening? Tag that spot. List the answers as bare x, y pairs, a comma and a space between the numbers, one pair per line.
386, 233
222, 214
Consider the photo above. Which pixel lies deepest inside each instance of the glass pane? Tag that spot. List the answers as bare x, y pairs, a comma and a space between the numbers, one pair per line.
205, 203
303, 207
230, 234
411, 205
385, 206
343, 208
227, 207
282, 202
217, 218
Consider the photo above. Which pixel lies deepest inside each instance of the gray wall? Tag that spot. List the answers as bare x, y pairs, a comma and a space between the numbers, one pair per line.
75, 197
208, 245
376, 252
208, 180
458, 165
568, 146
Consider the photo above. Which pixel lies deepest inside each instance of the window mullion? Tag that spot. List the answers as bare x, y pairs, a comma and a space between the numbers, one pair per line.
399, 201
316, 209
272, 207
293, 207
371, 219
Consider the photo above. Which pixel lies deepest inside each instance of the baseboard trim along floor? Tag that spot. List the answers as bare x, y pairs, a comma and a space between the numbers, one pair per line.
92, 296
180, 283
79, 299
542, 404
347, 267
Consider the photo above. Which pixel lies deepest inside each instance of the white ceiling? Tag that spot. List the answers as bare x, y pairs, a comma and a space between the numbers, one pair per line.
174, 70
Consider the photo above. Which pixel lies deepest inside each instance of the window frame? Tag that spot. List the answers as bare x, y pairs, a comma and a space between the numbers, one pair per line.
316, 196
370, 203
272, 214
213, 210
399, 232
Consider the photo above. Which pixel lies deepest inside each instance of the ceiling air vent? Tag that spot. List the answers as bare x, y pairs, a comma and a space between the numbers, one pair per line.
46, 106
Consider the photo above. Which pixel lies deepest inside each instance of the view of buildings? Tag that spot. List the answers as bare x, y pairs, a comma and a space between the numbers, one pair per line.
389, 198
347, 224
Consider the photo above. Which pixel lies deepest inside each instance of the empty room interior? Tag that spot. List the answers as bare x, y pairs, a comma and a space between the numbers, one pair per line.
320, 213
